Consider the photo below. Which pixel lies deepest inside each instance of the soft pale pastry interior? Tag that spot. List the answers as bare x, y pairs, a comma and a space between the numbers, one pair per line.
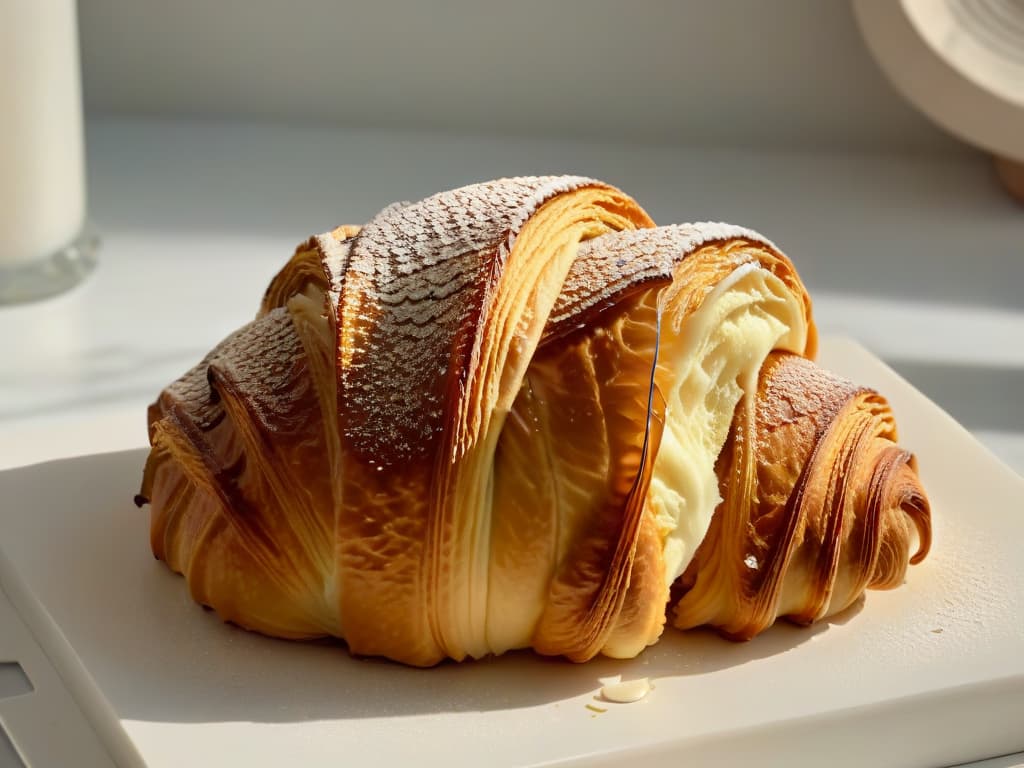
707, 365
518, 415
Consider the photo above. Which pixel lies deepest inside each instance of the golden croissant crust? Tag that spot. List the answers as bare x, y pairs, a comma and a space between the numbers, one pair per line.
515, 415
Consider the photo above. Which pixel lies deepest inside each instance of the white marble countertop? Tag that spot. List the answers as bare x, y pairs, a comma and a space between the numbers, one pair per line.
921, 259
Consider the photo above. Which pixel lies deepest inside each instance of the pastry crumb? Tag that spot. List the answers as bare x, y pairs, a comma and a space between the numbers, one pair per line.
626, 692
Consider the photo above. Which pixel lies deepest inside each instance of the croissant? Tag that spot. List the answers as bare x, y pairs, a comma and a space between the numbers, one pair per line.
515, 415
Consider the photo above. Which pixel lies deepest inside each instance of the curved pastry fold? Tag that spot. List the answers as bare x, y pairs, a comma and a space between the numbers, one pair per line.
819, 505
491, 420
666, 325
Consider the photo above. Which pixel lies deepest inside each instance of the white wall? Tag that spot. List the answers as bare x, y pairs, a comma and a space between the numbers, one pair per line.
744, 72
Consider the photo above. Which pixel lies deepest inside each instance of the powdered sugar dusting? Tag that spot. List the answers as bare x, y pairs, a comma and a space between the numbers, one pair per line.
263, 352
415, 286
612, 264
334, 258
798, 388
334, 255
267, 371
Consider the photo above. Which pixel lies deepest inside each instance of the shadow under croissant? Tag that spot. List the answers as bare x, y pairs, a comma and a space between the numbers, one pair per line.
314, 680
324, 682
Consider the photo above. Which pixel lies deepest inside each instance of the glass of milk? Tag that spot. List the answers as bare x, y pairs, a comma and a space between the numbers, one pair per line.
43, 247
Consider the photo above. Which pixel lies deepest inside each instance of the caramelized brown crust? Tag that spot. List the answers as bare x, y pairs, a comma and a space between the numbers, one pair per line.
819, 505
609, 269
252, 537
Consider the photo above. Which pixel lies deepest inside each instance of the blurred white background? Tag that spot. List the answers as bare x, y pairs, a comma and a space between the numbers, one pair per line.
787, 73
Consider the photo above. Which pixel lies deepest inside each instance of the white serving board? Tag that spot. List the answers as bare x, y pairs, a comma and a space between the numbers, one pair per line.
41, 724
929, 674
